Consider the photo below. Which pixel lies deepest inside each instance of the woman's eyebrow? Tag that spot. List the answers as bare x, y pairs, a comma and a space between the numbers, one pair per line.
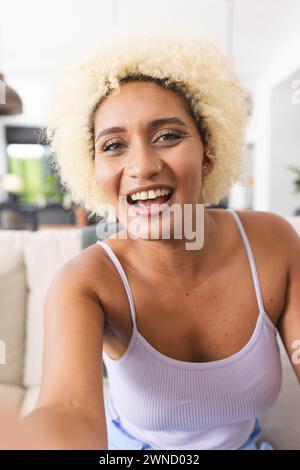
150, 125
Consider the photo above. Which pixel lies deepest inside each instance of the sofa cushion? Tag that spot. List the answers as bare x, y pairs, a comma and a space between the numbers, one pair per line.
46, 252
11, 395
13, 292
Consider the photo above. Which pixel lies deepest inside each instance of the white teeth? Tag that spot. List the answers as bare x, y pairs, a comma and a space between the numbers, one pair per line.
151, 194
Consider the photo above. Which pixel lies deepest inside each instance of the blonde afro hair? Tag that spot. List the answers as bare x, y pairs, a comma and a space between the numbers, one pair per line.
182, 61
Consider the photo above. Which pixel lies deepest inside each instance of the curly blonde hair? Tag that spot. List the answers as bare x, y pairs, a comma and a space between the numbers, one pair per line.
185, 62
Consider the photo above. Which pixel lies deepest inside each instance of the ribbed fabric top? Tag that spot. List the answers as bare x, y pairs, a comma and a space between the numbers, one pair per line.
173, 404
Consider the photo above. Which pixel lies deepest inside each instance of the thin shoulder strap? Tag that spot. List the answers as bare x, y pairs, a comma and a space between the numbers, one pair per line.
251, 259
121, 271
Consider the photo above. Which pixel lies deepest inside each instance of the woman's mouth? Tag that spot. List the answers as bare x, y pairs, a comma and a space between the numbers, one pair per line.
150, 202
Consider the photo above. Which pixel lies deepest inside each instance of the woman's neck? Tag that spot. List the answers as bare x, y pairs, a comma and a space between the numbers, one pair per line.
170, 260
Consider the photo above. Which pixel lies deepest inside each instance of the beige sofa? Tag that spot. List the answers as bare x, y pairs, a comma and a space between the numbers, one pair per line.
28, 262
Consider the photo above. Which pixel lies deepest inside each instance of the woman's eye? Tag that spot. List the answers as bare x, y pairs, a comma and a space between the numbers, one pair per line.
170, 136
166, 136
108, 147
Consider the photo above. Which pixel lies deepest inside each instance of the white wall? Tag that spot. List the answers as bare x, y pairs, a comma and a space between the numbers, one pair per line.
269, 152
285, 147
37, 38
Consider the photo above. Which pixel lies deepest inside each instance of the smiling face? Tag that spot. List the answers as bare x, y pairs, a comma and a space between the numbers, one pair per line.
155, 144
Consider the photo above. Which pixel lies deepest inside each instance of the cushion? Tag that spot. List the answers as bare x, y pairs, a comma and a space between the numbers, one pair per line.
46, 252
11, 395
13, 292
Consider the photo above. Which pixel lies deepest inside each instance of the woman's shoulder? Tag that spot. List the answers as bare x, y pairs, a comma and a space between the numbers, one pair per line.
266, 224
260, 222
93, 269
253, 215
269, 232
265, 230
261, 216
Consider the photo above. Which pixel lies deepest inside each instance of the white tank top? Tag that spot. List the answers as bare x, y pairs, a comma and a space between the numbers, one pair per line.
173, 404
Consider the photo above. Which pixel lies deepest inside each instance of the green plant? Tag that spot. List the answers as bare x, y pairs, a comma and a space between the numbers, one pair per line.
296, 170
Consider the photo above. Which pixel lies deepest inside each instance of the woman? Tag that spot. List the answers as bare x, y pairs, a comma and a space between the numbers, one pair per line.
188, 334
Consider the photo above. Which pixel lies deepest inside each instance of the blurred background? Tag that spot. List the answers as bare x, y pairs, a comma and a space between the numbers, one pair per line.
260, 37
41, 228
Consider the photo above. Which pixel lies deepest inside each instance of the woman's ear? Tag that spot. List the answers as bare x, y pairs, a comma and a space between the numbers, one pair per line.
208, 162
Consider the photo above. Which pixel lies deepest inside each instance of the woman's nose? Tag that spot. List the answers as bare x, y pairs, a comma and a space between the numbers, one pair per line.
143, 162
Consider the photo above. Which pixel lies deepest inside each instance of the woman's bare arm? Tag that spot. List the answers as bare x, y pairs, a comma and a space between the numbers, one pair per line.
70, 409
